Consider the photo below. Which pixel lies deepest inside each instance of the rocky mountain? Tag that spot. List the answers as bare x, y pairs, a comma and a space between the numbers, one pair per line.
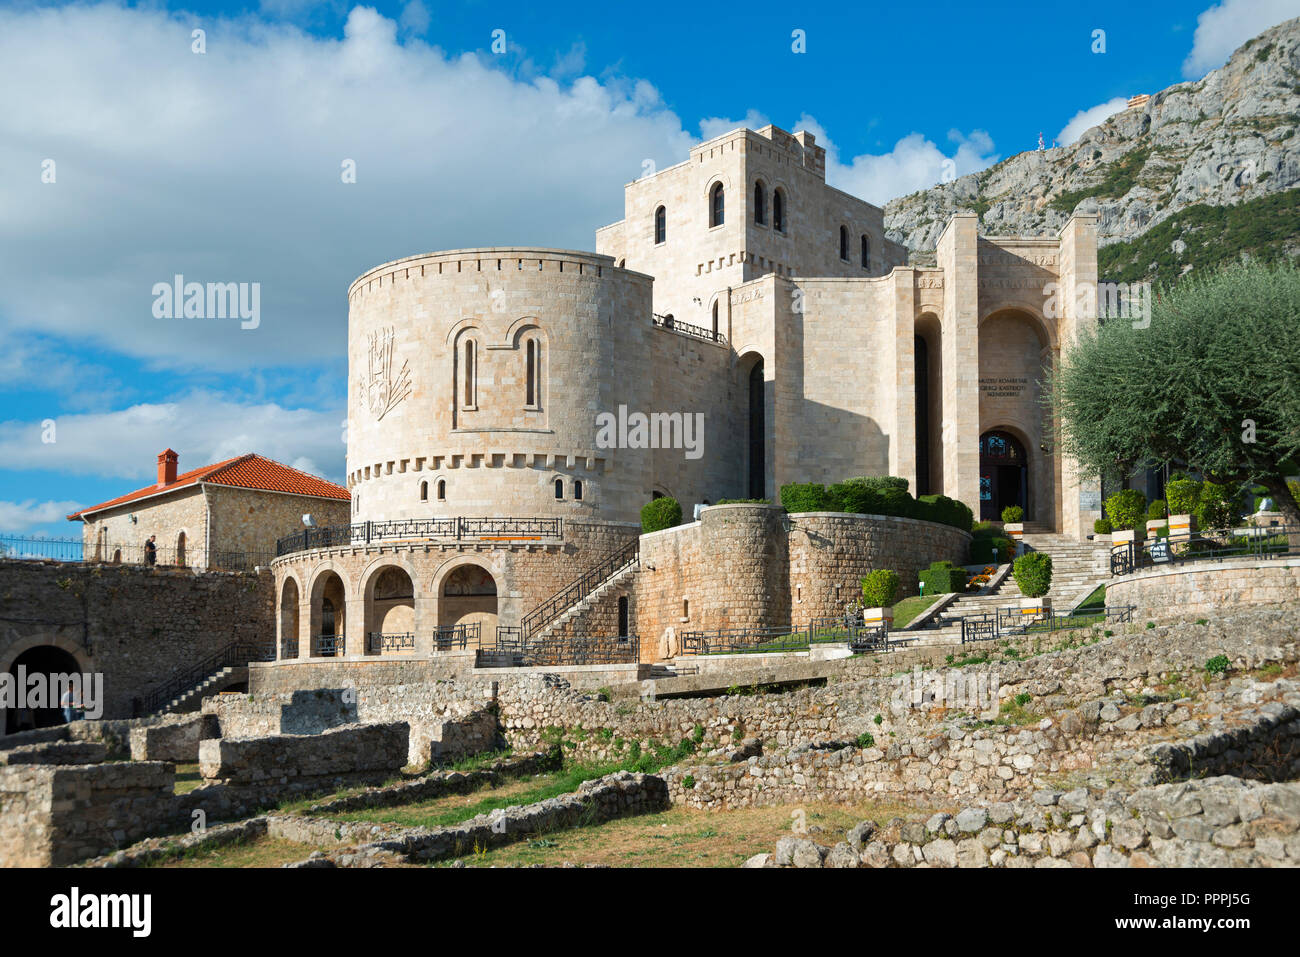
1168, 179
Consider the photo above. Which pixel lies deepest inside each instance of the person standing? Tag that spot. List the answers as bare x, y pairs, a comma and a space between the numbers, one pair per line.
69, 703
150, 551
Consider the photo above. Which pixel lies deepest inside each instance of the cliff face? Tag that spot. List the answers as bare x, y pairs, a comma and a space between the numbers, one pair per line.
1225, 140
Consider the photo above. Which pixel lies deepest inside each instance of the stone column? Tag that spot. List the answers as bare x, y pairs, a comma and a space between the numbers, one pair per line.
1080, 495
957, 255
902, 430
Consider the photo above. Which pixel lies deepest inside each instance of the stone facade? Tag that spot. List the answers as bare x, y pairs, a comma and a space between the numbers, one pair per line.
136, 626
1205, 588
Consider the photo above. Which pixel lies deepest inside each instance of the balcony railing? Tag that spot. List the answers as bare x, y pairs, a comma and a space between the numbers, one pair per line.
455, 529
686, 329
24, 548
1274, 541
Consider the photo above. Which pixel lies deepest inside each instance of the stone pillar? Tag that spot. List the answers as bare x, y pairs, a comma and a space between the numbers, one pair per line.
304, 625
1079, 498
957, 255
354, 626
902, 375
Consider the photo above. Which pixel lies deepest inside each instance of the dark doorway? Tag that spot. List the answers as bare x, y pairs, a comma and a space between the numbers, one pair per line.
757, 432
44, 660
1004, 475
623, 622
922, 402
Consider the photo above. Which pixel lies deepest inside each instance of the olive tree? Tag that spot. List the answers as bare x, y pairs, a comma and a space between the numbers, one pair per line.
1212, 381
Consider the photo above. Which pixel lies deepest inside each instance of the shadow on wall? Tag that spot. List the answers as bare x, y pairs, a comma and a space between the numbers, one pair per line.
311, 712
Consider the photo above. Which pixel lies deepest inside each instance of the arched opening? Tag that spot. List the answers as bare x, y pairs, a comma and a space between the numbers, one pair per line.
866, 252
1004, 474
778, 210
577, 490
756, 478
471, 385
442, 490
844, 243
469, 603
623, 618
289, 619
44, 660
922, 380
424, 491
716, 210
530, 373
661, 225
390, 612
715, 319
928, 404
559, 488
329, 616
760, 204
180, 549
117, 556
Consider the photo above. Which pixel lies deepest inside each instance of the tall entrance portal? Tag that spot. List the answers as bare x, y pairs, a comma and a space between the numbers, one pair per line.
1004, 475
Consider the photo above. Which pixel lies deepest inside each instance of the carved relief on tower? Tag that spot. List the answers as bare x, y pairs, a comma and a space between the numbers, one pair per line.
384, 384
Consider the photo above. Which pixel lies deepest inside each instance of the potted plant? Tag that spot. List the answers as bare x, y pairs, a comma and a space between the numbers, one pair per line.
879, 589
1033, 573
1182, 494
1102, 528
1127, 510
1013, 517
1157, 517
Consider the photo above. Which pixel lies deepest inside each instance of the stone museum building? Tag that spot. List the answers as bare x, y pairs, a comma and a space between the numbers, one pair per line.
745, 325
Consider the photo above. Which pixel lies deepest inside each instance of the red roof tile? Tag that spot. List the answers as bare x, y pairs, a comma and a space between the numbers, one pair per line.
244, 471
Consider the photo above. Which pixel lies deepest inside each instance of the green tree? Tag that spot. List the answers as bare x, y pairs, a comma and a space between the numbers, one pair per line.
1212, 381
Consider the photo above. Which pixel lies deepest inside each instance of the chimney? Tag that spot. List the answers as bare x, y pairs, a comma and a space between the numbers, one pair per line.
166, 468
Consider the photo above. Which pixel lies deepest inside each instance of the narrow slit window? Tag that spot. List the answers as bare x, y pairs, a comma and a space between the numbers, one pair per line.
470, 373
442, 490
577, 490
531, 375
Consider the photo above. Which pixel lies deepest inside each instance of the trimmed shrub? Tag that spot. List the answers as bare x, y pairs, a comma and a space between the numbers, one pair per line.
880, 588
984, 530
743, 501
1182, 495
855, 495
1215, 507
1127, 509
1102, 526
981, 549
1013, 514
805, 497
659, 514
1157, 510
1033, 572
943, 577
946, 511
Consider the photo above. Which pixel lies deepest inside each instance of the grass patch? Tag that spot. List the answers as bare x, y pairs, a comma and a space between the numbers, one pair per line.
187, 777
261, 852
909, 608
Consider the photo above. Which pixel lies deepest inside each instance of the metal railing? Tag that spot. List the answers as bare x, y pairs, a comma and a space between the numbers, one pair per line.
378, 642
329, 646
76, 550
512, 651
459, 529
730, 641
232, 655
617, 561
1014, 621
453, 637
1211, 545
686, 329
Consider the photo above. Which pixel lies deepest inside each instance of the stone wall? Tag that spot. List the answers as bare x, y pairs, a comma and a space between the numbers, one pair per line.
135, 625
337, 752
1206, 588
175, 738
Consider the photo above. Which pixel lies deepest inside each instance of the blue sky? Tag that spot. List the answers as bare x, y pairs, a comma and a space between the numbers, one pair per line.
224, 165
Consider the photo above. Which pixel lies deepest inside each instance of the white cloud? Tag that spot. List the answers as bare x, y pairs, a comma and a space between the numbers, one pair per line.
415, 18
1086, 119
226, 167
29, 514
203, 427
717, 125
1227, 25
914, 163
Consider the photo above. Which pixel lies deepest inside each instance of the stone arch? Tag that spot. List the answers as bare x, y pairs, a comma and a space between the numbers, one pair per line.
329, 612
42, 654
928, 399
728, 197
468, 594
758, 413
388, 589
1046, 330
289, 598
527, 336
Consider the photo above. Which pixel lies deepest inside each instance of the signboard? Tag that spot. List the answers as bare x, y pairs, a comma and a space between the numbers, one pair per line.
1089, 500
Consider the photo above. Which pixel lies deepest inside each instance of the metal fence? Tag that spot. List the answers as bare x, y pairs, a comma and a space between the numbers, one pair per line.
514, 651
1211, 545
733, 641
1008, 622
232, 655
23, 548
459, 529
623, 557
379, 642
686, 329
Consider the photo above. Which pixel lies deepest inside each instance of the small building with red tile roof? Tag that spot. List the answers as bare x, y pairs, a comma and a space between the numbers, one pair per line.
227, 515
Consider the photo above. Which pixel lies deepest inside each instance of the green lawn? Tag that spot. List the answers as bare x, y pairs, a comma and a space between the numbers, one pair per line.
909, 608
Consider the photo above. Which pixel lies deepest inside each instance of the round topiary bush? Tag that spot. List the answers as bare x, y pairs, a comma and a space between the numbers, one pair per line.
880, 588
1012, 515
1127, 509
1157, 510
1102, 526
1033, 572
660, 514
1182, 495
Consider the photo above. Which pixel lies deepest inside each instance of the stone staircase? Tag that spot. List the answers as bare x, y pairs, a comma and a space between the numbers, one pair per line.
192, 699
585, 604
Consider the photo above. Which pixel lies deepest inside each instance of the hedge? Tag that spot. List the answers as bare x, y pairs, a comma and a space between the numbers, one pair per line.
804, 497
941, 578
880, 588
659, 514
1033, 572
1127, 509
1102, 526
877, 495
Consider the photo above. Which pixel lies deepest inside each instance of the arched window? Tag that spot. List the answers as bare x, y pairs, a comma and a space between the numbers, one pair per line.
844, 243
424, 491
866, 252
716, 205
778, 211
760, 204
559, 488
442, 490
661, 225
715, 319
471, 374
530, 375
577, 490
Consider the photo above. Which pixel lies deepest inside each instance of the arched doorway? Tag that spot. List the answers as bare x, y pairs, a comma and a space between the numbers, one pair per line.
1004, 475
289, 619
928, 400
329, 616
756, 432
467, 606
390, 612
43, 660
